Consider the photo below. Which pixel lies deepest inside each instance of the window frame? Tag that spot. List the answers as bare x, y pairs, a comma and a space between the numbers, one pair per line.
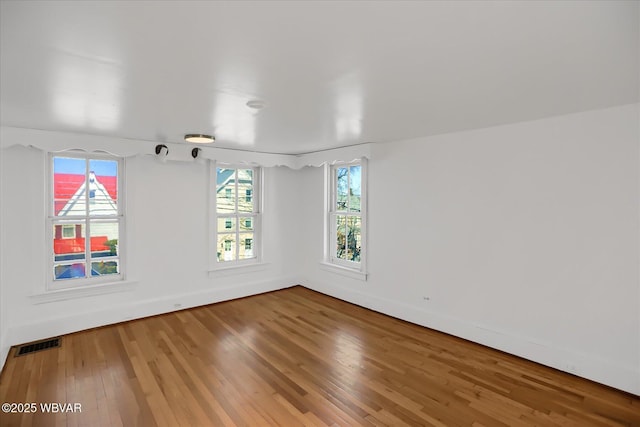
51, 283
255, 216
331, 213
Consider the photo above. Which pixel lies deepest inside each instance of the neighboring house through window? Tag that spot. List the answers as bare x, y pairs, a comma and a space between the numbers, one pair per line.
236, 215
86, 220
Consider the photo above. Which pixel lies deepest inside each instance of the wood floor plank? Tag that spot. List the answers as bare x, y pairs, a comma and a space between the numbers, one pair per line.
296, 358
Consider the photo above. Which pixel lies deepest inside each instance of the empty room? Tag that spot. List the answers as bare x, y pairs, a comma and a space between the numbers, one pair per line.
320, 213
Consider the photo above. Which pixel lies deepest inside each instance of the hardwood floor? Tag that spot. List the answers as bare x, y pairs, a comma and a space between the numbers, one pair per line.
295, 357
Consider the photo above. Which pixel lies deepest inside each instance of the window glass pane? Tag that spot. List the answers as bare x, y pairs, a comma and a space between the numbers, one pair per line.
104, 239
103, 187
354, 238
104, 268
245, 187
68, 186
226, 224
69, 248
226, 247
68, 271
68, 231
355, 188
341, 236
246, 246
235, 214
348, 237
225, 190
342, 188
84, 245
246, 224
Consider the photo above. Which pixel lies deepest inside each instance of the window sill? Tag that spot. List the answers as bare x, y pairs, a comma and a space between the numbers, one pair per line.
238, 269
343, 271
89, 291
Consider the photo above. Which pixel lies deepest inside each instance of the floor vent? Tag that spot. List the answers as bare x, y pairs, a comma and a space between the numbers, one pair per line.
37, 346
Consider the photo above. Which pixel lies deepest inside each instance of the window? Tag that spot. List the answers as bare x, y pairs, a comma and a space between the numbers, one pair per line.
346, 215
86, 220
237, 215
68, 231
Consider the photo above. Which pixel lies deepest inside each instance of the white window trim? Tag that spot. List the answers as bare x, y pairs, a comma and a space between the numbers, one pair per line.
83, 292
93, 285
330, 262
344, 271
234, 270
258, 184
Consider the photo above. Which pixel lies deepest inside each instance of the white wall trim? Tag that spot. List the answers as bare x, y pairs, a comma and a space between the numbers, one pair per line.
343, 271
236, 269
343, 154
19, 334
626, 378
88, 291
54, 141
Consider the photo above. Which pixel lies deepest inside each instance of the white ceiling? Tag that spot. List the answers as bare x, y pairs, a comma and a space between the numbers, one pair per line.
331, 73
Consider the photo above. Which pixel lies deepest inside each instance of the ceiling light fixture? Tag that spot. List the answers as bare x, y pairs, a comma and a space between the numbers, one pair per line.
256, 104
198, 138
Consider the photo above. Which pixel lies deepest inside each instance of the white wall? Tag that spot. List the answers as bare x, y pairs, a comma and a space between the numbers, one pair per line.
167, 247
522, 237
4, 348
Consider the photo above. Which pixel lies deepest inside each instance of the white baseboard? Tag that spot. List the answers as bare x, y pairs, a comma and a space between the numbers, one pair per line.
626, 378
62, 325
